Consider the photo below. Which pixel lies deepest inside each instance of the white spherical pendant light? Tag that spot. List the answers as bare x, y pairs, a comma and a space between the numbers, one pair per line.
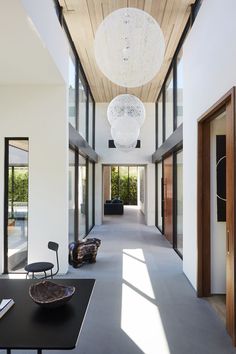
128, 106
129, 47
125, 131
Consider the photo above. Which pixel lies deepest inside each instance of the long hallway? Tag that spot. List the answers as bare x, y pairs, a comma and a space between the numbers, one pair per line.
142, 301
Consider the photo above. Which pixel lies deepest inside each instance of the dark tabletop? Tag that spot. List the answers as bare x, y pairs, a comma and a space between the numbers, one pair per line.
28, 326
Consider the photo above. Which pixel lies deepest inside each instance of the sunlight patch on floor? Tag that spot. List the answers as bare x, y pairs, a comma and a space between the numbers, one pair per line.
140, 317
135, 271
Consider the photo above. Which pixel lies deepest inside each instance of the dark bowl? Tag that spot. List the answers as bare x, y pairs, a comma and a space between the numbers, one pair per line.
49, 294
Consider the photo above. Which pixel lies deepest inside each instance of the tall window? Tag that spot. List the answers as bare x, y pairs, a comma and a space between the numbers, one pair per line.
16, 215
160, 121
90, 194
124, 183
71, 196
82, 207
90, 121
169, 106
179, 202
159, 196
72, 94
82, 108
179, 93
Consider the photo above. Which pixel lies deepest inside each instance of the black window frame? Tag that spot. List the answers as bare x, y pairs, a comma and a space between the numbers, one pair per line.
5, 211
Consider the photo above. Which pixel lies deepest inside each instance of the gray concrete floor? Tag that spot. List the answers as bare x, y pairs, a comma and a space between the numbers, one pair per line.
142, 301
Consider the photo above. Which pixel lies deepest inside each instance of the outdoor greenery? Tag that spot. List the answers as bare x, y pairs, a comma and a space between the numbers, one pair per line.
18, 184
124, 185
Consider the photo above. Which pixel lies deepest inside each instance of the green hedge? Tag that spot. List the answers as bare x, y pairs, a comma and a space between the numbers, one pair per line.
124, 187
20, 185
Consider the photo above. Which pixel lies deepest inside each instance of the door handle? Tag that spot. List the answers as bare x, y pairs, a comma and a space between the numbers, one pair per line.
227, 242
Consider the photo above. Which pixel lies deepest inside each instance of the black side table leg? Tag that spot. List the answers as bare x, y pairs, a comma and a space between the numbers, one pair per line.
39, 351
8, 351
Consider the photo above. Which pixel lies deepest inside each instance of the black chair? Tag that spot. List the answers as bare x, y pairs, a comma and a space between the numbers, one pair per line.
43, 267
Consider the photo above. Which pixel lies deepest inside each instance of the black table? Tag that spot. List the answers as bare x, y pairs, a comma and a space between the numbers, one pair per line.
28, 326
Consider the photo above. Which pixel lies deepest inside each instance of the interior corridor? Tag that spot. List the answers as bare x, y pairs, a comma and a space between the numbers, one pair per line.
142, 302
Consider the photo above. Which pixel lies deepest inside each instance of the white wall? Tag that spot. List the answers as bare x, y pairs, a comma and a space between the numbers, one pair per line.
39, 113
33, 45
45, 22
209, 72
142, 156
218, 229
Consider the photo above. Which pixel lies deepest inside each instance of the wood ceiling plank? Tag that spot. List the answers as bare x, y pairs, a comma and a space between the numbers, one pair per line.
83, 18
148, 6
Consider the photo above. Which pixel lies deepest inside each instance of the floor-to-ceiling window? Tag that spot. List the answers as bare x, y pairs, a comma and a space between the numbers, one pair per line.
179, 202
90, 195
82, 107
91, 121
169, 118
72, 90
179, 90
82, 197
159, 132
71, 194
124, 183
16, 204
159, 196
169, 103
80, 172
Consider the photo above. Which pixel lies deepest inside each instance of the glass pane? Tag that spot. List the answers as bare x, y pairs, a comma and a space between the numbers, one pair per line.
124, 184
159, 195
133, 176
159, 121
169, 104
179, 166
114, 182
91, 108
82, 196
180, 88
90, 206
71, 196
18, 178
72, 102
82, 108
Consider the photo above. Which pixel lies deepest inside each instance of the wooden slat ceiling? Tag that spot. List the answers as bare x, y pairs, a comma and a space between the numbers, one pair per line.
83, 18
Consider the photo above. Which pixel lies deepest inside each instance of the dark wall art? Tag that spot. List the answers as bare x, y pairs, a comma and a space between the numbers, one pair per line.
221, 177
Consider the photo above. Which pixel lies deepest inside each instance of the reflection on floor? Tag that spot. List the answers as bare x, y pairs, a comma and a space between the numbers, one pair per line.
218, 302
142, 302
17, 245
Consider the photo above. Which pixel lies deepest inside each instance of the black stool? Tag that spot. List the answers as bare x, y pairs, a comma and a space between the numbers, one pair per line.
43, 267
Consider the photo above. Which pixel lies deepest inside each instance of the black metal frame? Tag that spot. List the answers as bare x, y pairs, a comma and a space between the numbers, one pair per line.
175, 202
174, 143
77, 144
76, 193
5, 242
79, 74
157, 209
88, 229
128, 166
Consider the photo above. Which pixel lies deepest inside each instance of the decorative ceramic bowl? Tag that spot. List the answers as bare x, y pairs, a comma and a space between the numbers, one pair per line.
49, 294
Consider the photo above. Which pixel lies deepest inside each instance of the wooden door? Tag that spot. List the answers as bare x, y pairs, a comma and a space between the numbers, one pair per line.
227, 104
168, 198
230, 222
